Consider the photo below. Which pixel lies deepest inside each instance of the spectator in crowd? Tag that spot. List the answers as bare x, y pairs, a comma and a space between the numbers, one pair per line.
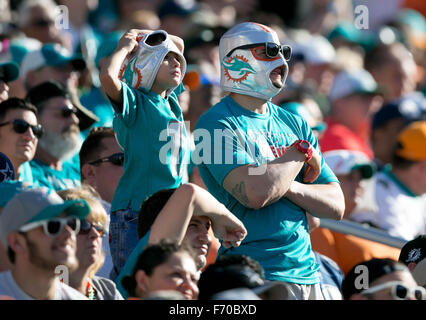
39, 230
53, 62
262, 185
314, 58
19, 133
164, 266
381, 279
238, 271
413, 255
6, 174
89, 249
352, 169
9, 72
354, 99
398, 192
390, 120
39, 19
184, 214
6, 168
101, 163
146, 98
393, 68
60, 141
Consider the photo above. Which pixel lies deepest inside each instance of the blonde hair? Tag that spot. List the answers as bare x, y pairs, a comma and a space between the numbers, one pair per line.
97, 213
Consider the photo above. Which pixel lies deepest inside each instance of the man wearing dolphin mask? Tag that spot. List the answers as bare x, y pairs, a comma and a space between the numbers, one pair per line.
277, 173
143, 78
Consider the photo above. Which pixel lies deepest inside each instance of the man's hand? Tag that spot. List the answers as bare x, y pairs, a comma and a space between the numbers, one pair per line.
313, 168
229, 229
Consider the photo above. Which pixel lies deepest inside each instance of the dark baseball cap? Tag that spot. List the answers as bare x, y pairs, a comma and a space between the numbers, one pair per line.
375, 269
409, 108
414, 250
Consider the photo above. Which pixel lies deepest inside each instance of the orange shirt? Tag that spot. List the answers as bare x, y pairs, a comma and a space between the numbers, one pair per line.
347, 250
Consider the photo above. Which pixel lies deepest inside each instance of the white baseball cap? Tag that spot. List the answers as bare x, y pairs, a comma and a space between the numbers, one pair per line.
350, 82
343, 162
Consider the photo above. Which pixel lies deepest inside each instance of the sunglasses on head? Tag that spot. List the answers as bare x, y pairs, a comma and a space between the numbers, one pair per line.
86, 226
399, 291
271, 49
21, 126
53, 227
116, 159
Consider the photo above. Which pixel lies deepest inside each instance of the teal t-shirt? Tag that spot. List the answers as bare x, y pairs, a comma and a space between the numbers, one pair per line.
130, 264
41, 175
152, 134
278, 234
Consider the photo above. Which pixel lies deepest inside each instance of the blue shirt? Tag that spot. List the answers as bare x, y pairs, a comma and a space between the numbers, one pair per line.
127, 269
151, 131
278, 234
41, 175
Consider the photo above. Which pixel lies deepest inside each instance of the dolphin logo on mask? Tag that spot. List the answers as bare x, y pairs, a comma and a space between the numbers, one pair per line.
237, 68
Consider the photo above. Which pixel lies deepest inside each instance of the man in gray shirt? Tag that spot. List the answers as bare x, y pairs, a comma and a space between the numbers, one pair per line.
39, 231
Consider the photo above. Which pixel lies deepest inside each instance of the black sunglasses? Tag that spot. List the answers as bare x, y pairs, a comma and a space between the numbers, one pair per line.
67, 111
116, 159
271, 49
86, 226
21, 126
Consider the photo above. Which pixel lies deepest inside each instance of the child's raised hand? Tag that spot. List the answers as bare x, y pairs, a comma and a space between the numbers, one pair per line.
130, 40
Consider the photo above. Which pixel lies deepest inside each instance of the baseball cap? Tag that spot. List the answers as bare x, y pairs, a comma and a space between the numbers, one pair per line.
9, 71
6, 168
52, 55
313, 49
377, 268
412, 142
32, 205
408, 108
347, 82
343, 162
50, 89
414, 250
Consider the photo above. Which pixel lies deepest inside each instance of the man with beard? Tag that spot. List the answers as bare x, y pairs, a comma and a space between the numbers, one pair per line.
60, 141
39, 229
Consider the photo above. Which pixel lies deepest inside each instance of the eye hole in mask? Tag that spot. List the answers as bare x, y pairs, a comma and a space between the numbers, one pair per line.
155, 39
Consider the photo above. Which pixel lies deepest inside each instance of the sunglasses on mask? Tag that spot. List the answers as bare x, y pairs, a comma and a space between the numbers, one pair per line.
271, 49
399, 291
116, 159
86, 227
21, 126
53, 227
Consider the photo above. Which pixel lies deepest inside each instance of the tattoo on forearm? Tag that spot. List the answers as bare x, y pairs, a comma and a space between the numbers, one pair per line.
239, 192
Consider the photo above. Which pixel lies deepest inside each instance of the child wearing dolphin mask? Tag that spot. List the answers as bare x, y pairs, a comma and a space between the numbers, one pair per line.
143, 78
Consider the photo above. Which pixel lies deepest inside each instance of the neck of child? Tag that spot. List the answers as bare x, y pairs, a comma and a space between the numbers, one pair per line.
40, 285
250, 103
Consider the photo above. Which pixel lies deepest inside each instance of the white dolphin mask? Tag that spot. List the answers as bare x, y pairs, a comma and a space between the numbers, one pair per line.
241, 70
141, 67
